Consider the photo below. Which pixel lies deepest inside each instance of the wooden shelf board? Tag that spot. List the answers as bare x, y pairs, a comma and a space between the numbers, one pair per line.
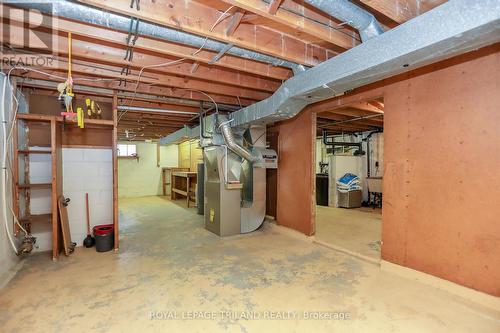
48, 118
97, 122
24, 151
179, 191
37, 218
34, 117
42, 185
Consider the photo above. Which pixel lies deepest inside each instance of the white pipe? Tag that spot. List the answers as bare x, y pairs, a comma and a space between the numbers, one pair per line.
4, 166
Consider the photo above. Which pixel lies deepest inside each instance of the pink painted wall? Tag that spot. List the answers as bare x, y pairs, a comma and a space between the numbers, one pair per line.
295, 204
441, 210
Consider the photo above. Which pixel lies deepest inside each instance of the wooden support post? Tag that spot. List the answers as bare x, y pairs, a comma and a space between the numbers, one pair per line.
158, 154
55, 224
235, 22
115, 169
274, 5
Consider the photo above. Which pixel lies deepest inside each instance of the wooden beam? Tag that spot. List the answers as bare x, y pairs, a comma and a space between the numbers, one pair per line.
135, 102
368, 106
54, 210
339, 39
351, 112
401, 11
327, 117
130, 87
113, 53
273, 6
198, 19
113, 70
235, 22
115, 171
160, 48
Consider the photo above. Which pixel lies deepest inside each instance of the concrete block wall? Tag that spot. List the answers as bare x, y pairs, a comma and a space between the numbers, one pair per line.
138, 178
84, 171
88, 171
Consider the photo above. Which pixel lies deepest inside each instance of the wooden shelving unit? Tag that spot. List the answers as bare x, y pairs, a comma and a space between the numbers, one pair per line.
24, 189
21, 186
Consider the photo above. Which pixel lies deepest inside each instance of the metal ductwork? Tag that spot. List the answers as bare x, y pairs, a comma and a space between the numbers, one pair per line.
358, 18
456, 27
99, 17
231, 143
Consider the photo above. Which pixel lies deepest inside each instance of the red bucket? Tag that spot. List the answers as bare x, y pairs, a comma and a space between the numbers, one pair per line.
104, 237
103, 229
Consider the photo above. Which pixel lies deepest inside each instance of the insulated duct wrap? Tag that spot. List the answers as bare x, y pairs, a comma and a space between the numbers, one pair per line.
355, 16
456, 27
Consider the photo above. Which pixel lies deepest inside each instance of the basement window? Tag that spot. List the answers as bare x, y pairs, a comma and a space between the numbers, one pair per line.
127, 151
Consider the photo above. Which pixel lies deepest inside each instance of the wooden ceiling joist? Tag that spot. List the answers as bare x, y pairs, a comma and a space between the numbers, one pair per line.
83, 68
338, 39
198, 19
135, 103
401, 11
160, 48
273, 6
131, 88
235, 22
217, 81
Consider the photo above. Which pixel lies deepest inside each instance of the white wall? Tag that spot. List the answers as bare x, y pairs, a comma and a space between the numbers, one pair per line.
84, 171
376, 154
138, 178
359, 167
88, 171
338, 166
40, 171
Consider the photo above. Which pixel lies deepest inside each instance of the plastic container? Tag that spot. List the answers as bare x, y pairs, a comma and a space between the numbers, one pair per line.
104, 237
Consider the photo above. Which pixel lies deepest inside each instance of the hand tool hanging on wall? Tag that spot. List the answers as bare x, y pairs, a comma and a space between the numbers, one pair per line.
80, 116
89, 241
66, 88
93, 109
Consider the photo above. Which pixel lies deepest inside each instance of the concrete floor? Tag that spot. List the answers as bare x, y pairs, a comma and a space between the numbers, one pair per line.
168, 264
355, 230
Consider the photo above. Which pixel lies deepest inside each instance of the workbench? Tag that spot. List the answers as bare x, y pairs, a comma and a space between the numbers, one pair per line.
166, 174
181, 185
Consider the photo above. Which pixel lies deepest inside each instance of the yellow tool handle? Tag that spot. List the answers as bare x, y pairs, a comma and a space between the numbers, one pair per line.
79, 115
70, 80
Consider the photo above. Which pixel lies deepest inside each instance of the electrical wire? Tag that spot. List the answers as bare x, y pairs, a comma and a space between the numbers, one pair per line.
4, 170
9, 138
219, 19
